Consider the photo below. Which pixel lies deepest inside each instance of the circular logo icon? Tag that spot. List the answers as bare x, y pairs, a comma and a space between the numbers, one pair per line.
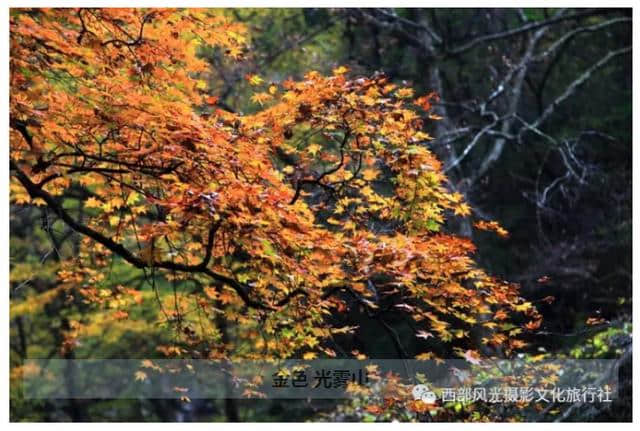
422, 392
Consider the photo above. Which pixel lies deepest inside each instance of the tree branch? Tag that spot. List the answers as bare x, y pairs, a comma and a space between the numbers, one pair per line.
524, 29
586, 75
36, 192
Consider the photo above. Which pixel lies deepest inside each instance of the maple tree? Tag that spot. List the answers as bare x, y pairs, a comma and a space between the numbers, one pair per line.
325, 199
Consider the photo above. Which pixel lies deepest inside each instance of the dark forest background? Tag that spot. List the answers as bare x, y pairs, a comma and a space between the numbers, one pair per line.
536, 133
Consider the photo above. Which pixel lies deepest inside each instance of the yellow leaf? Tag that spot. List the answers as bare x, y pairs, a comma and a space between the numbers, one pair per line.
523, 307
308, 356
331, 220
255, 79
370, 174
340, 70
311, 341
404, 93
462, 210
261, 98
133, 198
92, 203
313, 149
117, 202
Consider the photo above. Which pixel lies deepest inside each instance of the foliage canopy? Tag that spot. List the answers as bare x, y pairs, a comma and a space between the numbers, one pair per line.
324, 201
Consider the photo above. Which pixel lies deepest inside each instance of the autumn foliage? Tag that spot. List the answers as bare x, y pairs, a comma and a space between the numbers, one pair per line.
325, 201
